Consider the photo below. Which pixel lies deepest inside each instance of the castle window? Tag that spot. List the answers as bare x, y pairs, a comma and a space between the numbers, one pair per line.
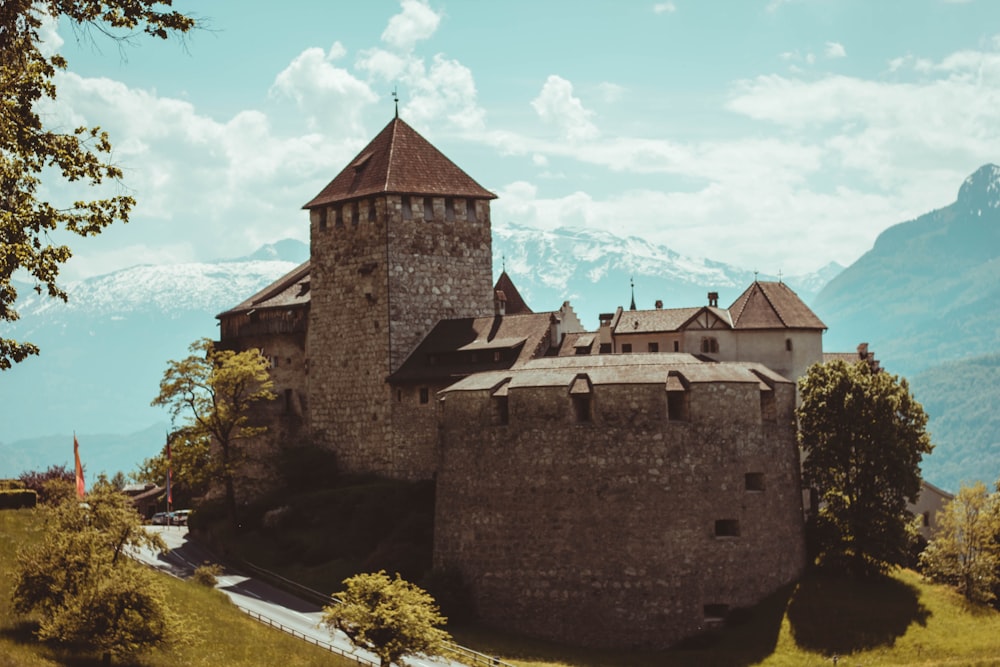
927, 519
678, 400
371, 210
425, 395
354, 214
399, 395
580, 396
322, 219
626, 348
727, 528
654, 347
449, 210
338, 217
501, 409
428, 208
288, 400
768, 406
470, 210
497, 355
407, 209
709, 345
677, 346
753, 481
788, 344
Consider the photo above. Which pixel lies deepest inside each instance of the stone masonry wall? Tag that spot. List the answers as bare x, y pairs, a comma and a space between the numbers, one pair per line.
605, 533
379, 284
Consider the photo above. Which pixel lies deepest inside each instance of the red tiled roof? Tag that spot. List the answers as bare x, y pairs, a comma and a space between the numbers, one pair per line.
770, 305
399, 160
515, 303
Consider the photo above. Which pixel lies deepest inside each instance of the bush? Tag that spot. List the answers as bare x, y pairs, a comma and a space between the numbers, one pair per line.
207, 574
11, 484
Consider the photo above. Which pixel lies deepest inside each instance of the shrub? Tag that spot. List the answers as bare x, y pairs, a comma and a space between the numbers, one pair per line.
207, 574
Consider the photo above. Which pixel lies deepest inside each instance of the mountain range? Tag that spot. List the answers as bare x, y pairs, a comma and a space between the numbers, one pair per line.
925, 298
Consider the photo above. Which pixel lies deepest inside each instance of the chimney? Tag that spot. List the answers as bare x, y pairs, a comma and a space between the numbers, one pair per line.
863, 351
659, 304
713, 299
499, 303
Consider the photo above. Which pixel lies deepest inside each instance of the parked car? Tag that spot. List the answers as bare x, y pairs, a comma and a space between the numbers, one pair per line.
160, 518
180, 517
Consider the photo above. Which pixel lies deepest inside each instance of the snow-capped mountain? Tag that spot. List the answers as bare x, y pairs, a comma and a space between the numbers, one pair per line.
104, 351
594, 271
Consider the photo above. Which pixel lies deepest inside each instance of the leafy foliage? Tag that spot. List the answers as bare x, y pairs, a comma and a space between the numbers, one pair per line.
52, 485
965, 552
391, 617
29, 150
213, 391
85, 590
192, 464
863, 436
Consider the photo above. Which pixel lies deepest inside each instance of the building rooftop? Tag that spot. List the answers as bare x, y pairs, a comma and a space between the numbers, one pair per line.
398, 160
772, 305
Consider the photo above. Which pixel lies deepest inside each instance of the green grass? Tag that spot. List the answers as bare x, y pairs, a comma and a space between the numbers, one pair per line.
222, 634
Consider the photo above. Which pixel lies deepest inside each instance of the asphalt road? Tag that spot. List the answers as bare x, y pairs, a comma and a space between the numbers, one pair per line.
259, 598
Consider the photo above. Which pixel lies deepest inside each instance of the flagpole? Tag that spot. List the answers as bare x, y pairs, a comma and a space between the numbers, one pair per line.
170, 474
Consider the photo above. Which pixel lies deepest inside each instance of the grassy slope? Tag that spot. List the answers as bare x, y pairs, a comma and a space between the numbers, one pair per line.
224, 635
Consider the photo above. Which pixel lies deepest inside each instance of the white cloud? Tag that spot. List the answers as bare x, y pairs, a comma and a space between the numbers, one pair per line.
664, 8
415, 23
557, 106
610, 92
835, 50
330, 96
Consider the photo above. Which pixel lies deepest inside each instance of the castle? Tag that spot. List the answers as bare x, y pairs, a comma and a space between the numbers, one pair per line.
627, 486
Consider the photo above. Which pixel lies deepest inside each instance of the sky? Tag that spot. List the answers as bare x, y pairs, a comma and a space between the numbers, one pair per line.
774, 135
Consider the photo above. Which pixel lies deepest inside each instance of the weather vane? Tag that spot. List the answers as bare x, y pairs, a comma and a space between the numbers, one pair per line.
395, 98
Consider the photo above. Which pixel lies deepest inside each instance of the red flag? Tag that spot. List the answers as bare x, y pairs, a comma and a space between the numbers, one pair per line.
80, 487
170, 474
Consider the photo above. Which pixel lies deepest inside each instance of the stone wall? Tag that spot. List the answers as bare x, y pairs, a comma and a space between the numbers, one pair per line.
627, 530
378, 286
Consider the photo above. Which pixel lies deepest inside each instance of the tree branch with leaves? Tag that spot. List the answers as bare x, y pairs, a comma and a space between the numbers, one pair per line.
213, 393
33, 155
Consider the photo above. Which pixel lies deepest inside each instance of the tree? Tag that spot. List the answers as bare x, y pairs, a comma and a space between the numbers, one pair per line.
965, 551
390, 617
52, 485
29, 150
191, 462
863, 436
86, 593
215, 390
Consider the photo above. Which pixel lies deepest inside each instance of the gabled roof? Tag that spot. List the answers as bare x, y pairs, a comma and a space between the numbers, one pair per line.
398, 160
663, 320
515, 303
772, 305
290, 290
457, 348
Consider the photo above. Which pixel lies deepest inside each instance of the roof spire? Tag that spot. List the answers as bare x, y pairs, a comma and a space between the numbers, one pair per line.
503, 262
755, 275
395, 98
631, 282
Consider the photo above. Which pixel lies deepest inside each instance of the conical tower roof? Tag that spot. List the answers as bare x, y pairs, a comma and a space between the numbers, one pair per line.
400, 161
515, 303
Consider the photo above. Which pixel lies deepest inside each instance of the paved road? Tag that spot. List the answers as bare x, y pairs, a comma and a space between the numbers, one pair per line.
260, 598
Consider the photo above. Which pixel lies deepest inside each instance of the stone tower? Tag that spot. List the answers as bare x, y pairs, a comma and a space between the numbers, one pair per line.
400, 240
